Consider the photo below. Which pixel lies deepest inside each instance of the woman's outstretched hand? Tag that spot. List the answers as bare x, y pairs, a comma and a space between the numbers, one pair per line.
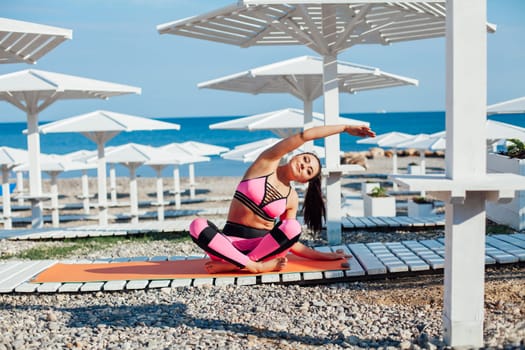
360, 130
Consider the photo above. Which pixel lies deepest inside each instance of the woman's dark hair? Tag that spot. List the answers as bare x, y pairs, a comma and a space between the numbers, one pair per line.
313, 207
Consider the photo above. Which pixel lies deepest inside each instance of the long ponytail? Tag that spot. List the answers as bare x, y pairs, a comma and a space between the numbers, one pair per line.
313, 207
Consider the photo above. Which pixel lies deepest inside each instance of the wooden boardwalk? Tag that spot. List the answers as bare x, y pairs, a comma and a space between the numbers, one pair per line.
180, 225
371, 260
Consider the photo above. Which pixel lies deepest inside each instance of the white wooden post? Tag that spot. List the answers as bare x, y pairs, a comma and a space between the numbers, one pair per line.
394, 167
55, 220
465, 158
160, 192
102, 193
85, 191
20, 187
113, 183
35, 176
332, 147
133, 193
307, 122
191, 171
176, 185
6, 198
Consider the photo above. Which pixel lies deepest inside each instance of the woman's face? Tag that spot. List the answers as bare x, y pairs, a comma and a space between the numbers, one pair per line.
304, 167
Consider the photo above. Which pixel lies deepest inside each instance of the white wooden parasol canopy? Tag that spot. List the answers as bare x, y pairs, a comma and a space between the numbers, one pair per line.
283, 123
303, 78
27, 42
516, 105
32, 91
101, 126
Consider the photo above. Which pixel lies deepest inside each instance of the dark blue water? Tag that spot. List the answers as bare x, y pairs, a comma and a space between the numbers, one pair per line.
197, 129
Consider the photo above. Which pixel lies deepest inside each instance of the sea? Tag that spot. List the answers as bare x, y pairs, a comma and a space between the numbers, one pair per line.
197, 129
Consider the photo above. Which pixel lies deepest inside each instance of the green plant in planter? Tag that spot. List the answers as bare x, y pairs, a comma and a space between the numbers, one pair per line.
378, 192
516, 149
423, 200
412, 163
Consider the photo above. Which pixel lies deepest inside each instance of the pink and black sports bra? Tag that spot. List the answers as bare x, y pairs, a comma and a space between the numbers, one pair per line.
261, 197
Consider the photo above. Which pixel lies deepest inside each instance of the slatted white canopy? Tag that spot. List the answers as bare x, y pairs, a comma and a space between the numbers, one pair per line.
516, 105
389, 139
248, 152
101, 126
203, 149
34, 90
27, 42
9, 158
302, 77
283, 123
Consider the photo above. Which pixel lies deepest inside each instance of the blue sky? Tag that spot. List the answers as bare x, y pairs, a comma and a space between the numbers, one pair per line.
117, 41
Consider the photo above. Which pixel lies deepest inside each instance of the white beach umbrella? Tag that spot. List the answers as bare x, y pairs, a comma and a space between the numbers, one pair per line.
389, 140
101, 126
283, 123
27, 42
34, 90
203, 149
516, 105
302, 77
132, 156
499, 130
188, 153
9, 158
54, 165
248, 152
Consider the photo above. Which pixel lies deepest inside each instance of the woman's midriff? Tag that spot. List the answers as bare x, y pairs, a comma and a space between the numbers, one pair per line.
240, 214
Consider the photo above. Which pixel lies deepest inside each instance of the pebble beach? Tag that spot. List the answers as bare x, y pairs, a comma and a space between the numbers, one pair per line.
401, 313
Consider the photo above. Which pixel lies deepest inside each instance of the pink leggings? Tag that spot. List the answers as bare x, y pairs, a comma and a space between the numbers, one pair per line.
238, 250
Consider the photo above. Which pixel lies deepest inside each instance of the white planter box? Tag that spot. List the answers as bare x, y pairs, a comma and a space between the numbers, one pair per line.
379, 206
510, 214
414, 170
366, 187
420, 210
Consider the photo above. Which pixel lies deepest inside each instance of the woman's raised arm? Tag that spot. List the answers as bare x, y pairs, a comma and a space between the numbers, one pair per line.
295, 141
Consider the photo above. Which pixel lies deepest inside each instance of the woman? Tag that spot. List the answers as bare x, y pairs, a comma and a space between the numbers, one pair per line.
252, 238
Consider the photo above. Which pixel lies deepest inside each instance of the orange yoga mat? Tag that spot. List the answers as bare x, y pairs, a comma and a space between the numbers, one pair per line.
154, 270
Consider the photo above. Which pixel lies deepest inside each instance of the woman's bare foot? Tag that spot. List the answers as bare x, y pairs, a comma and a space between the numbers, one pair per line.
276, 264
215, 266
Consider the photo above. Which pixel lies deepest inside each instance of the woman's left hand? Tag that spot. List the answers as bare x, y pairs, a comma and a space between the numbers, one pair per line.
360, 130
340, 254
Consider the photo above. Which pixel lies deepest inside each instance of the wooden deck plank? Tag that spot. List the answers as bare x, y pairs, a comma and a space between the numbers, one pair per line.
411, 259
114, 285
92, 287
159, 284
70, 287
271, 278
392, 263
434, 260
50, 287
223, 281
23, 273
506, 247
512, 239
369, 261
246, 280
137, 284
355, 267
26, 287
